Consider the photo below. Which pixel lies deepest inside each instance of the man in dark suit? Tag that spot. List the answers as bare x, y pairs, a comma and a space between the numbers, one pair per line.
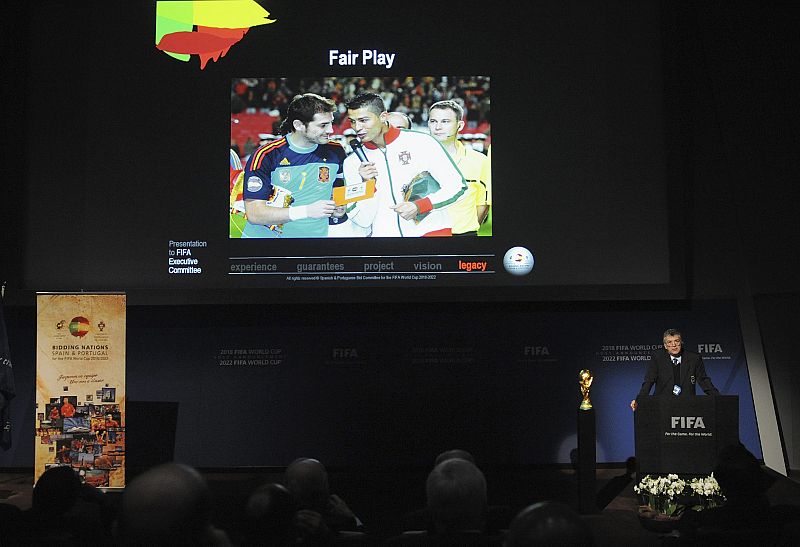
675, 371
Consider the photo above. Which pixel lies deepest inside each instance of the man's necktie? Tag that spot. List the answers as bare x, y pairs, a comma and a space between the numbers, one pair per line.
676, 374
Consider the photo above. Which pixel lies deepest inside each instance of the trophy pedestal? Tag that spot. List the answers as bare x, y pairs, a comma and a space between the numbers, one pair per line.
587, 461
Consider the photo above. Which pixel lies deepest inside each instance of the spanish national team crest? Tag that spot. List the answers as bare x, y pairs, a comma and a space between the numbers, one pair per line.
285, 176
324, 174
404, 157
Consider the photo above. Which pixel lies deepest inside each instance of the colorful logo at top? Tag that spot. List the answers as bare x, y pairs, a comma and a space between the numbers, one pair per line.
79, 326
206, 28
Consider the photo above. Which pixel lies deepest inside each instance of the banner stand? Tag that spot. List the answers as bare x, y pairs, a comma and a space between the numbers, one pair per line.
80, 386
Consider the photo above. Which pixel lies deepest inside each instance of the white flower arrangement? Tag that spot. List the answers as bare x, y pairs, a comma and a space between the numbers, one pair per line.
705, 486
669, 486
660, 494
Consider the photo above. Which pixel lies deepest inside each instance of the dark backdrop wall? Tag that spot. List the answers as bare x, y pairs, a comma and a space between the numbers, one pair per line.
386, 386
743, 224
746, 228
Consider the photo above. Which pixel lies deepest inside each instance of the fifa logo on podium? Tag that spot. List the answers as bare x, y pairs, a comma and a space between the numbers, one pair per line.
688, 422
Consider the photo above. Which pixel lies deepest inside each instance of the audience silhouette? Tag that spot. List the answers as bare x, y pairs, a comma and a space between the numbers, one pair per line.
270, 516
62, 511
548, 523
171, 504
168, 505
456, 492
457, 508
320, 516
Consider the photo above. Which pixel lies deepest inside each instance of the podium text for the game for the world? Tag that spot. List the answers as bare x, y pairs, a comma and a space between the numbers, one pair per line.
684, 435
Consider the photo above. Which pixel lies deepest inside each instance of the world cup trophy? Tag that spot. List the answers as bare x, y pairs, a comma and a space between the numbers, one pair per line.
585, 382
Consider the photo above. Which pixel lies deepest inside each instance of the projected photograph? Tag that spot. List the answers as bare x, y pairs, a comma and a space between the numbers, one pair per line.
77, 425
109, 394
360, 157
53, 416
96, 477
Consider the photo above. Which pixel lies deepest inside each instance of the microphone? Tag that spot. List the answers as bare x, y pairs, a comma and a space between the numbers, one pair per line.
358, 149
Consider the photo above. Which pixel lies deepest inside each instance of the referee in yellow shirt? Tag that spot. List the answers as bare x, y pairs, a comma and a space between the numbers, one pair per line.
445, 120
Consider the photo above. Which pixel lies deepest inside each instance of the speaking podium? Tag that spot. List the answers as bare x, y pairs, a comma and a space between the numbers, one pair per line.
684, 434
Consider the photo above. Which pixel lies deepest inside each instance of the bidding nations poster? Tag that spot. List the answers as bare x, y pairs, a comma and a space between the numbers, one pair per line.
80, 386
